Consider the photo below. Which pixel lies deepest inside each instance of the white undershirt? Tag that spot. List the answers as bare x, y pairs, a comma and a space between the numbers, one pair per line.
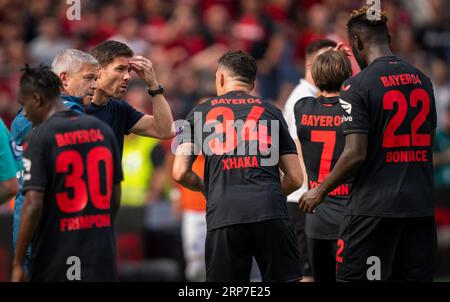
302, 90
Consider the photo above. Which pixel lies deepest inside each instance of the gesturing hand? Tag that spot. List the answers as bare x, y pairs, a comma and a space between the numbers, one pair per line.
144, 69
341, 47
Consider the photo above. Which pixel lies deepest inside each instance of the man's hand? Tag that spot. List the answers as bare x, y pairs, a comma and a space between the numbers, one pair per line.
144, 69
310, 200
18, 273
341, 47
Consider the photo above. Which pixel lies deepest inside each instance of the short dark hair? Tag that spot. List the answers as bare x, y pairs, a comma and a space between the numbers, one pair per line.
242, 64
107, 51
373, 29
317, 45
40, 80
330, 70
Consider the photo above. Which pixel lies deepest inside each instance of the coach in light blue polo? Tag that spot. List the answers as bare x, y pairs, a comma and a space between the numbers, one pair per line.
78, 72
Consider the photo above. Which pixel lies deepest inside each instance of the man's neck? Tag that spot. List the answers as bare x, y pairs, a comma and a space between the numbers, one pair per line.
308, 77
235, 87
378, 51
56, 106
327, 94
100, 98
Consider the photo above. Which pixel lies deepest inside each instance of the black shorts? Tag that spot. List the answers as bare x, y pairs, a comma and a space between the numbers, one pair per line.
322, 254
229, 252
386, 249
298, 219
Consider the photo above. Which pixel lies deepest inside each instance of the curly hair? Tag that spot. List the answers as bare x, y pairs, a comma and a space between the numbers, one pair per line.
375, 29
40, 80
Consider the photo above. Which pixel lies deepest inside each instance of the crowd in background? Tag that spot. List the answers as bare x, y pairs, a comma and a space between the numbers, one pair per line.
184, 38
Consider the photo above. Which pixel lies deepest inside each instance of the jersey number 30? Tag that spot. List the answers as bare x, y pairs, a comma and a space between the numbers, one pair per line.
74, 179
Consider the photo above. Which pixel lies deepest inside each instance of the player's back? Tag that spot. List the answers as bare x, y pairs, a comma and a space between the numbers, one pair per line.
242, 177
319, 130
393, 103
79, 164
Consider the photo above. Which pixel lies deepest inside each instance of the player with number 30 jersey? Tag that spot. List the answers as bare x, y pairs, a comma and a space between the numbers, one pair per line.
72, 175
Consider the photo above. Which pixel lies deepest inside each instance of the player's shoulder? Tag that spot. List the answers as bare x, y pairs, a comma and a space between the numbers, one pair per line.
20, 125
93, 122
73, 103
39, 134
118, 103
304, 103
356, 86
422, 75
357, 81
202, 107
267, 104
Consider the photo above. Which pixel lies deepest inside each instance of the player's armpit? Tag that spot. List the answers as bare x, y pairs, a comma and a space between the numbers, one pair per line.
293, 178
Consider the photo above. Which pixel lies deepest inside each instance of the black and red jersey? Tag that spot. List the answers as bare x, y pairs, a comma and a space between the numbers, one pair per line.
392, 102
319, 130
74, 160
241, 138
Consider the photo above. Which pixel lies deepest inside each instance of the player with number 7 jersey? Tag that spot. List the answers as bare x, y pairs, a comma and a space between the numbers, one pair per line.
72, 175
320, 135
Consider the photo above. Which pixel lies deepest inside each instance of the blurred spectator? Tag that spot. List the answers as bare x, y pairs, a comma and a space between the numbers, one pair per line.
315, 29
128, 34
48, 43
441, 84
435, 36
442, 153
217, 21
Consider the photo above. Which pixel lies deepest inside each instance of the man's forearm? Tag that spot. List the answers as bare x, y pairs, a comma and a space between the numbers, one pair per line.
288, 186
5, 194
8, 189
346, 167
163, 116
193, 182
29, 222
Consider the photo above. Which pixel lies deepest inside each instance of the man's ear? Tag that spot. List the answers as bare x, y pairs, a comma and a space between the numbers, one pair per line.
222, 80
359, 43
64, 76
99, 72
37, 100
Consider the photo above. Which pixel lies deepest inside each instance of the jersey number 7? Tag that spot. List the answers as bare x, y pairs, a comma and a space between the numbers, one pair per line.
328, 138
